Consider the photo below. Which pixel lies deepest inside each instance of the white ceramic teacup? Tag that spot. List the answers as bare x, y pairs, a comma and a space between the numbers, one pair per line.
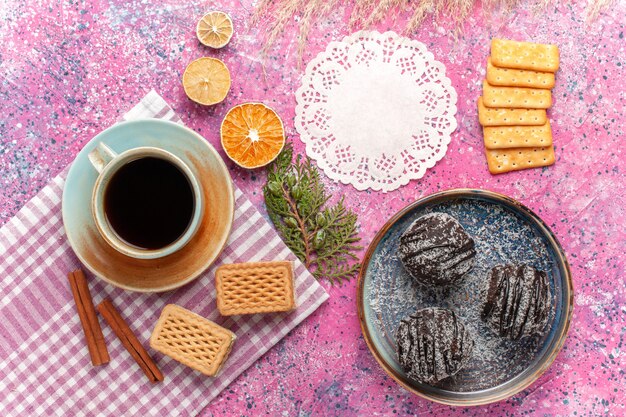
107, 162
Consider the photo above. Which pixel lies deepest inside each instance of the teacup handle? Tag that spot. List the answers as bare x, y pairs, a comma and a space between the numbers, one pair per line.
101, 156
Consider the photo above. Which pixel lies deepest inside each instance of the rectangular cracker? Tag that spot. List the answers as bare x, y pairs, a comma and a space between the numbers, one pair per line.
510, 117
516, 97
505, 160
524, 55
509, 77
192, 340
255, 287
504, 137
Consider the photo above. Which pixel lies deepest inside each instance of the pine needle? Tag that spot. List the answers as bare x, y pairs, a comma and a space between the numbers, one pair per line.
324, 237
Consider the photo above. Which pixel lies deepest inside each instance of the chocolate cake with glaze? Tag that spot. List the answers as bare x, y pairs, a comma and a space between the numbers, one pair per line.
436, 250
433, 344
518, 301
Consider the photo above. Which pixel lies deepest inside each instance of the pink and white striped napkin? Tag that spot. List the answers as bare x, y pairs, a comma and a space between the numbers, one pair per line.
44, 363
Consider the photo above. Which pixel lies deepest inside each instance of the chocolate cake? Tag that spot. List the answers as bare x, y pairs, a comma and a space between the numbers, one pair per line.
436, 250
433, 344
518, 301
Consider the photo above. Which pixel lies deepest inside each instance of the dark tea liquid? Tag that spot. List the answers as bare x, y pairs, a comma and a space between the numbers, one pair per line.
149, 203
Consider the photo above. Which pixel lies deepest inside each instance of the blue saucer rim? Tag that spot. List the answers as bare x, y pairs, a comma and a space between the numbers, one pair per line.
83, 154
568, 294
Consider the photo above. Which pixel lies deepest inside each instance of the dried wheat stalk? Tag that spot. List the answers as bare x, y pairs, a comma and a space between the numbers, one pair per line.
595, 7
366, 13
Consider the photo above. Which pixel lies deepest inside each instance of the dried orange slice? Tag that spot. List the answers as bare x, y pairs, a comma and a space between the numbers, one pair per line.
206, 81
252, 135
215, 29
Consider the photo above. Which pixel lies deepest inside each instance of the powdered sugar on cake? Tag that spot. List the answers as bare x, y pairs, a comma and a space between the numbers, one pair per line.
500, 237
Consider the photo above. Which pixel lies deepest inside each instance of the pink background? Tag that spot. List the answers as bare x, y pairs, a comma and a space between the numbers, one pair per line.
69, 69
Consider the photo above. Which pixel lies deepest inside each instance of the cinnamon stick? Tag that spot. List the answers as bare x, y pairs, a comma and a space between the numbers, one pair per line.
88, 318
129, 340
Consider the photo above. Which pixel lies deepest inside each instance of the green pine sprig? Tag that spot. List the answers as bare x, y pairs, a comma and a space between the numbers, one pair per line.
324, 237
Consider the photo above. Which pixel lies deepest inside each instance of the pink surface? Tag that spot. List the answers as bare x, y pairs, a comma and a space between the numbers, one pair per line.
70, 69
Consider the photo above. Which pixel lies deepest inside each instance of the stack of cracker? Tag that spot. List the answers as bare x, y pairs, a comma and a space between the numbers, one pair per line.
512, 109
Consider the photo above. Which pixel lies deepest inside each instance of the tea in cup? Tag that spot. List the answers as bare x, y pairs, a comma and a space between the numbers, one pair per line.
147, 203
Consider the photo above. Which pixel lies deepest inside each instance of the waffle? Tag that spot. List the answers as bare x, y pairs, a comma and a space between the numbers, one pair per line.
256, 287
192, 340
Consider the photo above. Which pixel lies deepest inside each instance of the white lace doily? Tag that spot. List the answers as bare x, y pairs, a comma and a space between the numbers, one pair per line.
375, 110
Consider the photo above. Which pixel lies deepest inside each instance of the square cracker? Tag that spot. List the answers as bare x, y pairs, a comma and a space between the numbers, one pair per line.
509, 77
504, 137
516, 97
192, 340
505, 160
510, 117
255, 287
524, 55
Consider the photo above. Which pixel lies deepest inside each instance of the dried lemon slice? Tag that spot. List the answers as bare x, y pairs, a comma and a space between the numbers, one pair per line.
252, 135
206, 81
215, 29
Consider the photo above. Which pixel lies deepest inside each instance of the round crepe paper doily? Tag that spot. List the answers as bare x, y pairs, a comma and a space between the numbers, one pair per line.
375, 110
